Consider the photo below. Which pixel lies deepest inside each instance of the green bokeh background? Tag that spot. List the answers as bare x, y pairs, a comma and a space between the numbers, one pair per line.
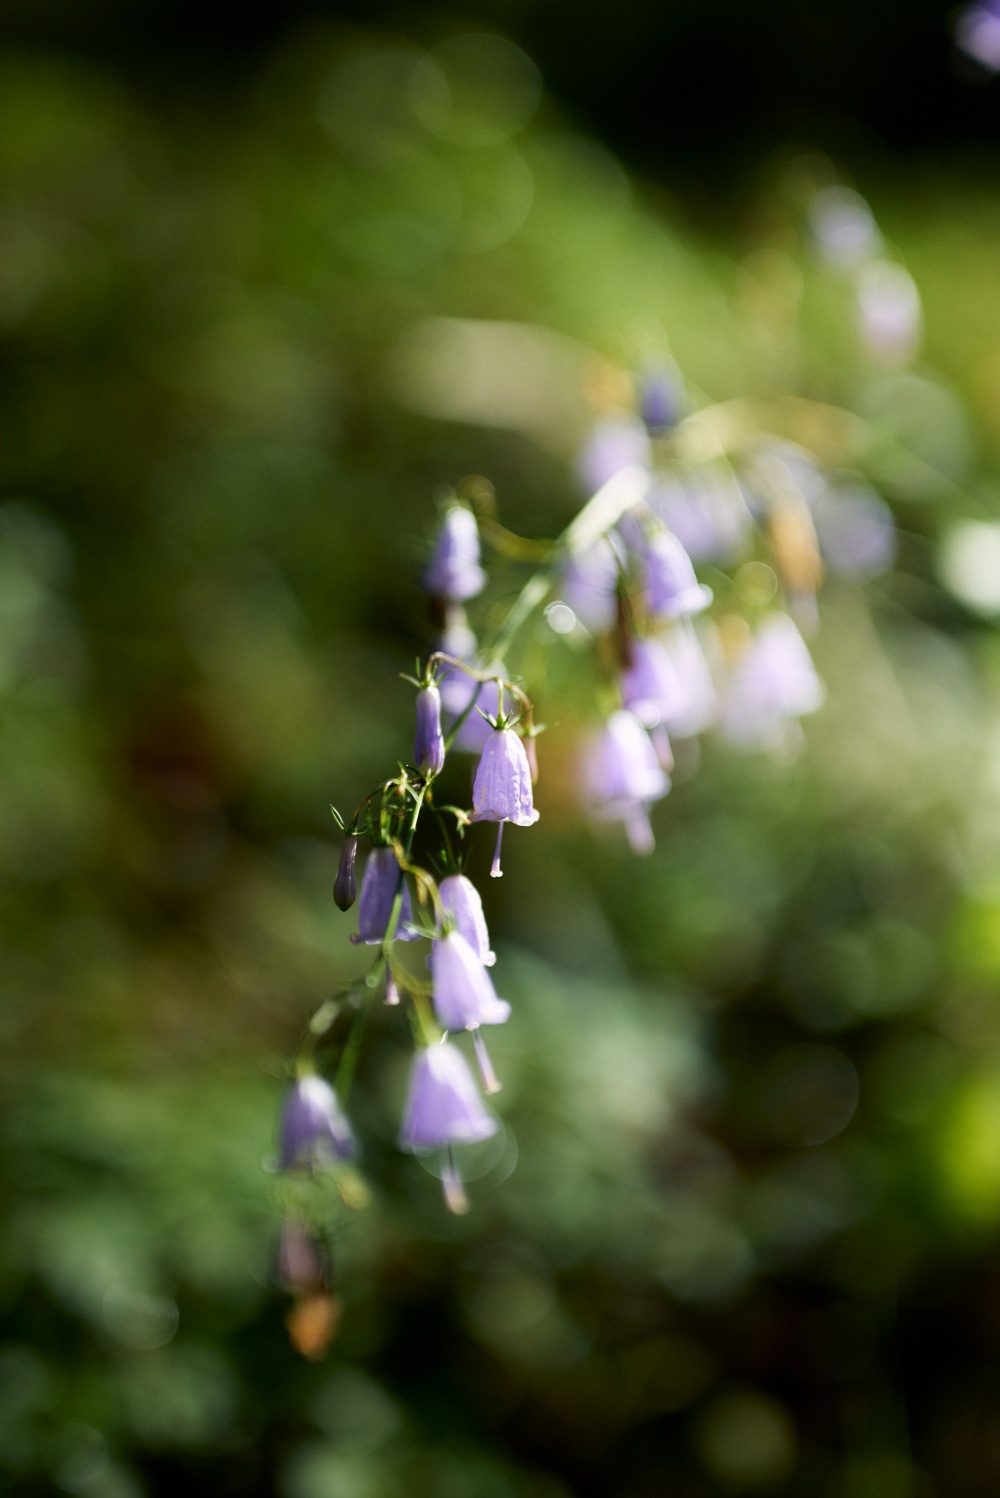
214, 514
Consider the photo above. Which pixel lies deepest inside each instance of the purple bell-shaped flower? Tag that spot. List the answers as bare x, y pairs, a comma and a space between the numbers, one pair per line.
623, 777
672, 590
590, 586
651, 688
444, 1108
464, 996
616, 443
460, 898
453, 572
314, 1130
501, 791
700, 707
428, 750
379, 886
707, 513
773, 683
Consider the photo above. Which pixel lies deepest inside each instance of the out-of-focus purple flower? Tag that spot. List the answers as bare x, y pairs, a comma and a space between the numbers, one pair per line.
707, 514
457, 638
774, 468
977, 34
623, 777
889, 312
345, 888
302, 1267
651, 688
661, 398
428, 749
443, 1105
616, 443
773, 683
501, 791
453, 572
379, 885
843, 227
701, 704
590, 586
464, 996
460, 898
314, 1131
857, 533
457, 691
672, 590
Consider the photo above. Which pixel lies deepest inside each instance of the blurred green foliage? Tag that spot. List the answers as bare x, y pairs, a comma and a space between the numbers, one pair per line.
752, 1084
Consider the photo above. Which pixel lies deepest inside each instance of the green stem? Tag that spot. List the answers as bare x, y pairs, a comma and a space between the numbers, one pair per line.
349, 1056
530, 596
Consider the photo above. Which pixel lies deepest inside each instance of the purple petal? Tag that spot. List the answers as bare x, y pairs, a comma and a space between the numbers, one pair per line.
461, 898
464, 995
378, 891
502, 788
443, 1105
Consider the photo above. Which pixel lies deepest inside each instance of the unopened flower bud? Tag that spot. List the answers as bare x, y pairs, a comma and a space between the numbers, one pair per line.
429, 747
380, 884
314, 1131
345, 888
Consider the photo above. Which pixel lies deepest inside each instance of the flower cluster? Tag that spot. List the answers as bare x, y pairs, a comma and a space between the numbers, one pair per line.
690, 574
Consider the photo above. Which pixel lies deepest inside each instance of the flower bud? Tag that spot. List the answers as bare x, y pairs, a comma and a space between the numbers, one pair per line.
345, 889
429, 747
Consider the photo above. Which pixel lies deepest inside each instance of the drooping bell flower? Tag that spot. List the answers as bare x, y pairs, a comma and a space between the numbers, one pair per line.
707, 513
590, 586
977, 34
453, 572
428, 749
345, 889
672, 590
773, 683
460, 898
623, 777
314, 1130
458, 691
700, 707
443, 1108
616, 443
651, 688
857, 532
501, 791
302, 1266
464, 996
379, 886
